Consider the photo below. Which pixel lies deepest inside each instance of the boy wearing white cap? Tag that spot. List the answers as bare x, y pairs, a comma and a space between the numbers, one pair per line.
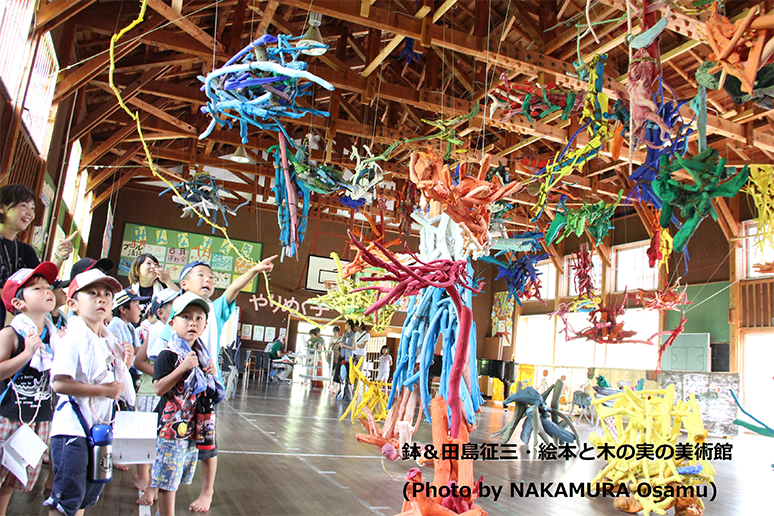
90, 372
25, 359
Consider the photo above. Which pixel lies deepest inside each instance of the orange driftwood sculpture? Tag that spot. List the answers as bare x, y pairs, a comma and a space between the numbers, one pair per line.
740, 48
467, 202
447, 473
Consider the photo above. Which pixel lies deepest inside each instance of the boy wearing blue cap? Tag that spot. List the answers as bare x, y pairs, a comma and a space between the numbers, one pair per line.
197, 278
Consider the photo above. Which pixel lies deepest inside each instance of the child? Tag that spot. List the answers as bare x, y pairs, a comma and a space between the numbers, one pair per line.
314, 341
385, 362
27, 393
126, 315
184, 372
90, 372
197, 277
57, 316
161, 307
151, 346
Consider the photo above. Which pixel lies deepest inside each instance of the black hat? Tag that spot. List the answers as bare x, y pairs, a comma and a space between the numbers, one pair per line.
83, 265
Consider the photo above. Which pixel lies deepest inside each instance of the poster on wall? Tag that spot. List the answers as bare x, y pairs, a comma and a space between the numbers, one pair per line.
258, 333
502, 315
526, 375
269, 334
174, 249
247, 332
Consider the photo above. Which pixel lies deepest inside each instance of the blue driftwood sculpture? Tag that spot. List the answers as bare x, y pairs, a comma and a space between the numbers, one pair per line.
545, 421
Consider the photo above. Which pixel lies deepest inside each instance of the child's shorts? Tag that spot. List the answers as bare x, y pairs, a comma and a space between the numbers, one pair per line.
7, 428
147, 403
71, 491
175, 463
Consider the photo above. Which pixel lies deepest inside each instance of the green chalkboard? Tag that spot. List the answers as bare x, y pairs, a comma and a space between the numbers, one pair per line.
174, 249
708, 313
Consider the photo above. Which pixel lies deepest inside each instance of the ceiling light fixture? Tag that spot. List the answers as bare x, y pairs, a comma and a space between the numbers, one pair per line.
240, 156
313, 37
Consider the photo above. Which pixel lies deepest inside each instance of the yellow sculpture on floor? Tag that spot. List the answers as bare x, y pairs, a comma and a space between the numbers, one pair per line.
654, 418
367, 393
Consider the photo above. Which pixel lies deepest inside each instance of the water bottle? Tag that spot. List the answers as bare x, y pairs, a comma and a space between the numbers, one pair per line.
101, 454
205, 423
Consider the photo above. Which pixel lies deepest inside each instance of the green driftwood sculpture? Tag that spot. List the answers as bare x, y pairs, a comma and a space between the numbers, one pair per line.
711, 179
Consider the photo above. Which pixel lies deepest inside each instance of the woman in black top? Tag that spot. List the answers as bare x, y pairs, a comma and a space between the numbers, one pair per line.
17, 211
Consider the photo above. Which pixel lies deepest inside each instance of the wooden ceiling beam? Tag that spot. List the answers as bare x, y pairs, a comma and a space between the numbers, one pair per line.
67, 86
527, 24
109, 170
168, 40
96, 116
187, 26
55, 13
104, 196
267, 15
235, 37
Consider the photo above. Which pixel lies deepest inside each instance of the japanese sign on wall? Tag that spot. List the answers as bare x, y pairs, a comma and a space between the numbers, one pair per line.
174, 249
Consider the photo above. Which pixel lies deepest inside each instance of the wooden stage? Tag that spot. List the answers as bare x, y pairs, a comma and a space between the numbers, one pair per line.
284, 452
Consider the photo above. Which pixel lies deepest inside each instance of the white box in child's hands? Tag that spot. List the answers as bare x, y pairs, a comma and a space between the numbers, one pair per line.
134, 438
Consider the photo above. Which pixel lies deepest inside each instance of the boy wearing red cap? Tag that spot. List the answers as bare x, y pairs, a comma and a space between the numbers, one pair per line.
90, 372
25, 359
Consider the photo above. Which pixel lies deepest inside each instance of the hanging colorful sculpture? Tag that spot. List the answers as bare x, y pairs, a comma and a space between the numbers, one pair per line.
202, 193
742, 48
468, 200
532, 101
566, 161
761, 190
287, 190
594, 218
711, 179
520, 275
259, 85
643, 73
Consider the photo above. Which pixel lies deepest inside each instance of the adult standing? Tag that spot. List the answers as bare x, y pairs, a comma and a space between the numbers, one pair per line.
361, 341
17, 211
346, 350
148, 277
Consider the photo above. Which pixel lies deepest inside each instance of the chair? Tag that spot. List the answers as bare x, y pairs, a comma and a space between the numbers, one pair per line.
262, 365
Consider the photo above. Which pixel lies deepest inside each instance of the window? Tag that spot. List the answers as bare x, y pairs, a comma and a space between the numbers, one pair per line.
534, 340
635, 356
40, 93
754, 252
71, 176
15, 26
547, 276
632, 270
596, 274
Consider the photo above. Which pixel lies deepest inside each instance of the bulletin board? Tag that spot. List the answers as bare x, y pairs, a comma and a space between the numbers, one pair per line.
174, 249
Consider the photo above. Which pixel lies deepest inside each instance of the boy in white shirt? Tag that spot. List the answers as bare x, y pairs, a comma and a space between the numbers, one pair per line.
197, 277
90, 369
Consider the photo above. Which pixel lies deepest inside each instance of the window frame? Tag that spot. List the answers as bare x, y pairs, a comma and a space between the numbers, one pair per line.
642, 244
569, 276
750, 230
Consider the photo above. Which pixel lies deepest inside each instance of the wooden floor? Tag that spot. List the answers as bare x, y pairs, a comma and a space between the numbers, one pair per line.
284, 452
